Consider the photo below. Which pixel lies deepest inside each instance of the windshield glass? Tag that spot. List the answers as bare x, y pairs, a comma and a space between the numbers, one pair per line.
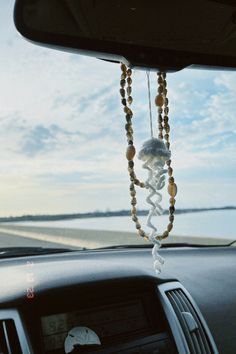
63, 171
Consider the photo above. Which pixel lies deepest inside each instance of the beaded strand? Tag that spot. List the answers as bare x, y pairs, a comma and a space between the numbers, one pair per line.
161, 101
163, 125
130, 152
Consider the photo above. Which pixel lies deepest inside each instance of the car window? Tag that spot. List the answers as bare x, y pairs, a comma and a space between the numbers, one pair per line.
62, 158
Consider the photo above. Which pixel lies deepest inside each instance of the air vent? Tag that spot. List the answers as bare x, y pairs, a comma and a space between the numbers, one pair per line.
190, 331
190, 323
13, 336
9, 341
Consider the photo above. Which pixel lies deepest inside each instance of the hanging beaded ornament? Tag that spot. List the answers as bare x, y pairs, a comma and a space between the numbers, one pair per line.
155, 153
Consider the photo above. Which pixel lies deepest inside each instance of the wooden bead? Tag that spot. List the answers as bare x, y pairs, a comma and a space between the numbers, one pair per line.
172, 190
159, 101
169, 227
130, 152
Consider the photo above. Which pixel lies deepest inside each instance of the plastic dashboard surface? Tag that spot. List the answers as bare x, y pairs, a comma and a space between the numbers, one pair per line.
207, 273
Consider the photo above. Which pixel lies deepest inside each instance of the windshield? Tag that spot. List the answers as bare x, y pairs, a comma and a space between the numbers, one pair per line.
63, 171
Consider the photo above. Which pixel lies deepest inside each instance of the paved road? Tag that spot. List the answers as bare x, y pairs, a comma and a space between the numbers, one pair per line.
7, 240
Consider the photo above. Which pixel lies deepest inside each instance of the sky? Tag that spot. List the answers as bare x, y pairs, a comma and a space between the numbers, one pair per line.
62, 131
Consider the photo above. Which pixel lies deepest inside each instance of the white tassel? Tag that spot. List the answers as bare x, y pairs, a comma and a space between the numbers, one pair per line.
154, 154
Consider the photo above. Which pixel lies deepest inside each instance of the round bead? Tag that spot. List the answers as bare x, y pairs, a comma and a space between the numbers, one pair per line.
129, 72
123, 76
129, 81
169, 227
172, 201
160, 89
171, 218
130, 152
171, 210
138, 226
142, 185
171, 180
166, 102
134, 218
133, 201
160, 110
159, 101
172, 190
168, 162
160, 80
133, 210
131, 187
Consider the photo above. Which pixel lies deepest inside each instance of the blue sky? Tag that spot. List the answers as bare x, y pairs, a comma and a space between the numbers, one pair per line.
62, 131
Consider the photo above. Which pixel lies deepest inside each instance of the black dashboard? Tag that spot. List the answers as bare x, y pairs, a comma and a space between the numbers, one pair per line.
116, 295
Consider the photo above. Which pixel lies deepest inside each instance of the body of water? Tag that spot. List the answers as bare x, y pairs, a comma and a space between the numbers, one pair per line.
217, 224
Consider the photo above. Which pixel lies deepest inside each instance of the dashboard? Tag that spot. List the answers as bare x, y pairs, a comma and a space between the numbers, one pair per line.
110, 301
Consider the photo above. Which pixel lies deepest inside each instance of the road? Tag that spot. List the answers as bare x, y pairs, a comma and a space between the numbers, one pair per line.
7, 240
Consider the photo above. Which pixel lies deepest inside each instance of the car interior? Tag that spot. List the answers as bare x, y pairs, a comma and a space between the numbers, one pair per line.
112, 300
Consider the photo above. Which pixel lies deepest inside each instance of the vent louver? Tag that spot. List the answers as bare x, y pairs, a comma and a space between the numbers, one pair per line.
191, 324
9, 341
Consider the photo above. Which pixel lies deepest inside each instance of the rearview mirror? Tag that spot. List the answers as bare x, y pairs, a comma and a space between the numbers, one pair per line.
164, 35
